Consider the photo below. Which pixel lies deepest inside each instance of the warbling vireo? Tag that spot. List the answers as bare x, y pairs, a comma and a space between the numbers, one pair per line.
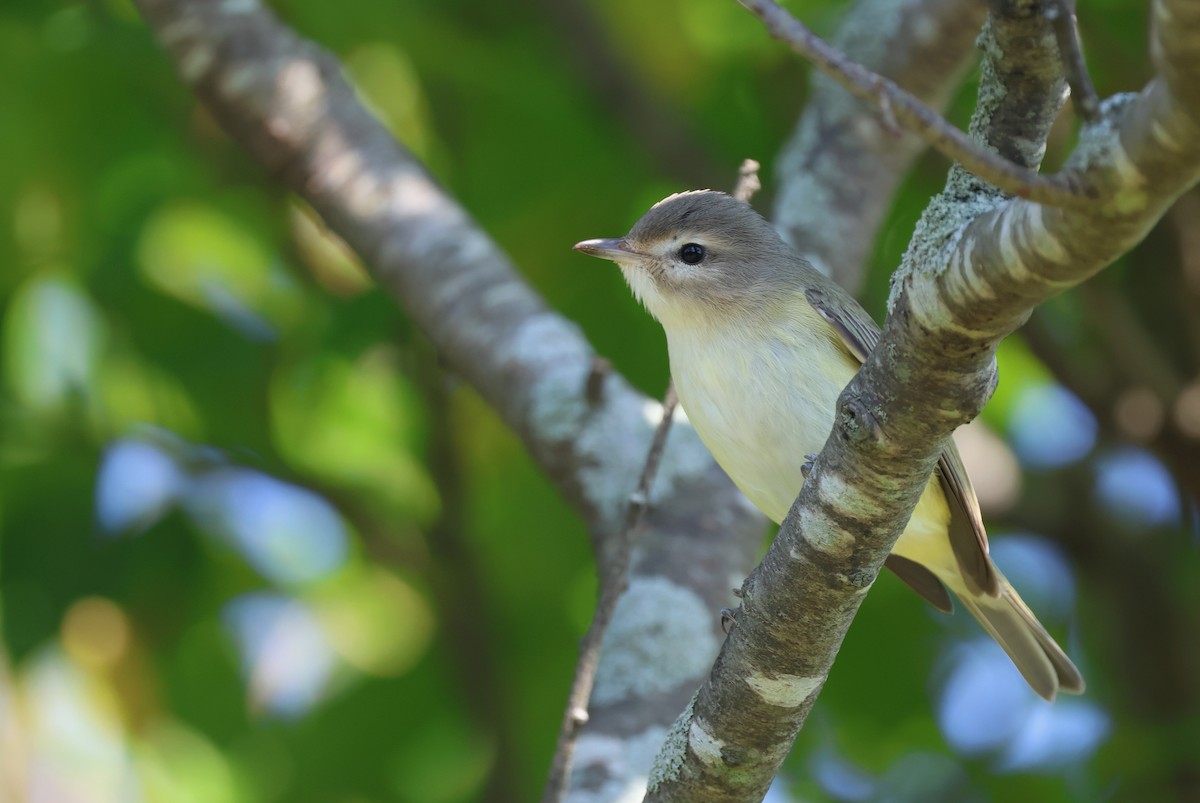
761, 345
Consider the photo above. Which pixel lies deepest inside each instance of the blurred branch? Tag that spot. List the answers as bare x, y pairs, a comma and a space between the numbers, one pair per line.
1129, 346
459, 584
837, 173
285, 100
1066, 189
976, 268
1183, 219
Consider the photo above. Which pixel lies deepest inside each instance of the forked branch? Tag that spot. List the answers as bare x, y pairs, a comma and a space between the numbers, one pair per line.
1065, 189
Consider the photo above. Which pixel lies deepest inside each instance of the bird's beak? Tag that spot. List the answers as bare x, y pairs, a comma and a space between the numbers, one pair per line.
606, 249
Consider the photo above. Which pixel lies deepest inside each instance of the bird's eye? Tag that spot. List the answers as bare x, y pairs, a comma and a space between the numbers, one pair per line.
692, 253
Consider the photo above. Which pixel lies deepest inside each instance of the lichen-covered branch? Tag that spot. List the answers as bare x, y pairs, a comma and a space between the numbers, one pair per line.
840, 168
1028, 87
978, 265
285, 101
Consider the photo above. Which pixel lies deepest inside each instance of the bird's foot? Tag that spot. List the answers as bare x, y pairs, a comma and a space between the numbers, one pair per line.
728, 620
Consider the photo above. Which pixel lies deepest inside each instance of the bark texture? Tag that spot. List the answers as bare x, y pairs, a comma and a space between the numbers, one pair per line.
839, 171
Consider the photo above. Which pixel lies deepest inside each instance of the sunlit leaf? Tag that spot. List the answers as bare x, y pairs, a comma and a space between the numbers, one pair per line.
376, 622
53, 337
201, 255
355, 423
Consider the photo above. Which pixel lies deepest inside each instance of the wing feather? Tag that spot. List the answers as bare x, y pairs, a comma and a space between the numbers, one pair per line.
968, 538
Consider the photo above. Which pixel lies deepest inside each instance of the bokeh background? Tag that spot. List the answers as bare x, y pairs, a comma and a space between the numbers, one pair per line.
257, 544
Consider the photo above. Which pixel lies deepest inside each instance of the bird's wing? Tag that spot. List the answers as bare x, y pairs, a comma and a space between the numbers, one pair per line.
858, 331
968, 538
921, 580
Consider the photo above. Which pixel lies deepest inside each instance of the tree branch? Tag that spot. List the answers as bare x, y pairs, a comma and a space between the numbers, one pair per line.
1066, 189
977, 267
837, 173
1061, 14
1024, 71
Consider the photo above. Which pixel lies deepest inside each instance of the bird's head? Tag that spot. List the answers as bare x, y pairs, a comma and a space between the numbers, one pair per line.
699, 253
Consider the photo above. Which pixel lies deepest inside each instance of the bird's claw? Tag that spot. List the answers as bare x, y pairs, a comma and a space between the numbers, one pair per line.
728, 620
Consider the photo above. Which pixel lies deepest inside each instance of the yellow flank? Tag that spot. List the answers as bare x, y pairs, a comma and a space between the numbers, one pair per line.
731, 390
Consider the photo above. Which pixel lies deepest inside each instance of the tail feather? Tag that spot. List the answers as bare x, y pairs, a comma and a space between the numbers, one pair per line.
1008, 620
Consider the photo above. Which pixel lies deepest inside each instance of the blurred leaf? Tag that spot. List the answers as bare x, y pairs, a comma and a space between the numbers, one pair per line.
375, 621
331, 261
134, 392
356, 424
286, 660
391, 88
205, 257
53, 336
289, 534
178, 765
1018, 370
446, 765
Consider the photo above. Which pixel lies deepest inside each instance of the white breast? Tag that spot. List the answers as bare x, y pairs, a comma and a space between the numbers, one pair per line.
756, 402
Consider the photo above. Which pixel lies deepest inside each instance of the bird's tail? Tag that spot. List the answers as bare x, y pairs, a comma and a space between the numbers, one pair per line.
1014, 627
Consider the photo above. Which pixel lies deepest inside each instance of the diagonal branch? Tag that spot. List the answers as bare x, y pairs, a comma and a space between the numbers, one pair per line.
1067, 189
837, 174
977, 267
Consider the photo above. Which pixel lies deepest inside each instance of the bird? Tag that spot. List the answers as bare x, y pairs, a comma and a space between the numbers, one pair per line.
760, 346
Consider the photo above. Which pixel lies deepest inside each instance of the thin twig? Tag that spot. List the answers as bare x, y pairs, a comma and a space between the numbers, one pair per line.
748, 182
614, 578
1064, 189
1061, 14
